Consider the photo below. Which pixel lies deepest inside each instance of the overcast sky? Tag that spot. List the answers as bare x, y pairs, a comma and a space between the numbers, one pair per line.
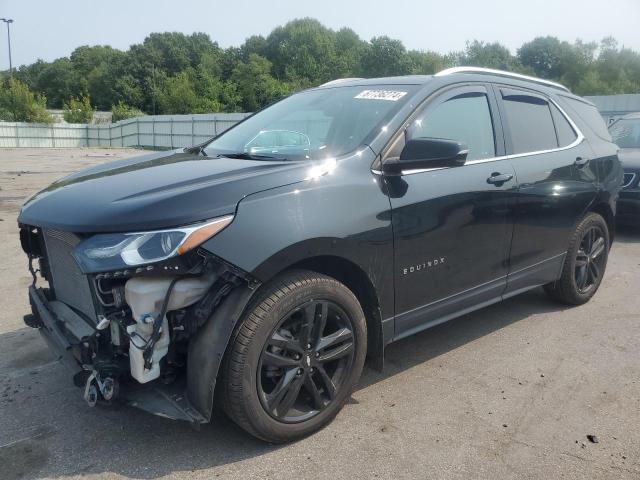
49, 29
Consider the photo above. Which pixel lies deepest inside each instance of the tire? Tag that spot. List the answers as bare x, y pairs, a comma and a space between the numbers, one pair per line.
268, 359
585, 263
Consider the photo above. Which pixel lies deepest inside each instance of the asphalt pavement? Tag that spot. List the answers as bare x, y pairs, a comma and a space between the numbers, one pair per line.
511, 391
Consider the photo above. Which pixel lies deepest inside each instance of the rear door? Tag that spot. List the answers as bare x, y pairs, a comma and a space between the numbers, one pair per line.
452, 226
557, 182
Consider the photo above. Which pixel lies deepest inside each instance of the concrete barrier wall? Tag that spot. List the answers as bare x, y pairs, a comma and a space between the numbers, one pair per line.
153, 131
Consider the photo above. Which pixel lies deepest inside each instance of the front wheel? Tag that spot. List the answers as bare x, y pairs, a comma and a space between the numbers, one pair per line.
585, 263
295, 357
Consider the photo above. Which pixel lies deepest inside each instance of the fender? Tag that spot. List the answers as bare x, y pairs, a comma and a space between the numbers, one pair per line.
207, 348
275, 229
313, 225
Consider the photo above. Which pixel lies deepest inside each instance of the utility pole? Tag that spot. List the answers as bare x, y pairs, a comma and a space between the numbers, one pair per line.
9, 21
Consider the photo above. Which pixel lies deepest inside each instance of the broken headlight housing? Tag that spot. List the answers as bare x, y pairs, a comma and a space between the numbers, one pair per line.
113, 251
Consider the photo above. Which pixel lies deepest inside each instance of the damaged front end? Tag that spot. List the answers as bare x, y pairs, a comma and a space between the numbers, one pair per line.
142, 318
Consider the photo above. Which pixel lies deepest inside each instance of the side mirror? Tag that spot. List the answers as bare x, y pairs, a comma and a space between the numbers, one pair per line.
420, 153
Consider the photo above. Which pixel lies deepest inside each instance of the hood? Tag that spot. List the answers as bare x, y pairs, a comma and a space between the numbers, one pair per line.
159, 190
630, 158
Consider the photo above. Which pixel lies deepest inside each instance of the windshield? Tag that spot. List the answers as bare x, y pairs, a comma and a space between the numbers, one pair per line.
314, 124
626, 133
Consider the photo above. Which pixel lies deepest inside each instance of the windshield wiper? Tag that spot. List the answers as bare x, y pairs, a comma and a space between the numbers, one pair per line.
250, 156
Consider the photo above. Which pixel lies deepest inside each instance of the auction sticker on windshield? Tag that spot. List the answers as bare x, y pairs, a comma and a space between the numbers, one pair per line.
391, 95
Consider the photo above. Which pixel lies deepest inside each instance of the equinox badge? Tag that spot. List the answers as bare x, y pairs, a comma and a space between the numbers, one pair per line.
424, 265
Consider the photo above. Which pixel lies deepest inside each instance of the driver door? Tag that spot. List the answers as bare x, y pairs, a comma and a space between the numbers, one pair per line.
452, 226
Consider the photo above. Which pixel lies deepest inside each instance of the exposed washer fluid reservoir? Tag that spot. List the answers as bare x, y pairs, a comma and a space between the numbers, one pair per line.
145, 296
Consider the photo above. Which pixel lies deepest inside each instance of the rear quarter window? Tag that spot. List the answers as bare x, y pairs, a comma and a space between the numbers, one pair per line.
566, 134
589, 115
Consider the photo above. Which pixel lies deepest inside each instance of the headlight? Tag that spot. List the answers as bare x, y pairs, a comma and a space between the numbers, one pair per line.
113, 251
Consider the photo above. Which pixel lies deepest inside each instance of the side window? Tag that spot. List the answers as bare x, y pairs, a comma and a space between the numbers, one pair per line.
465, 118
529, 122
589, 114
566, 134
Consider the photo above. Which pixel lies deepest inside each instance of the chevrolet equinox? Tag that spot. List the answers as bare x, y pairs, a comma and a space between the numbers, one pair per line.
257, 271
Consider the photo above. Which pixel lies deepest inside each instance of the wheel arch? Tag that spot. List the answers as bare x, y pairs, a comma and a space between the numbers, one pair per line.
604, 209
208, 347
356, 280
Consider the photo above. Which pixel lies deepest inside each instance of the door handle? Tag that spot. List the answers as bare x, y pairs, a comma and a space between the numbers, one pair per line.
581, 162
499, 178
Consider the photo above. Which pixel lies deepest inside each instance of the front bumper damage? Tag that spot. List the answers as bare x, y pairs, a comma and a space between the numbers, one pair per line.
67, 336
56, 332
97, 351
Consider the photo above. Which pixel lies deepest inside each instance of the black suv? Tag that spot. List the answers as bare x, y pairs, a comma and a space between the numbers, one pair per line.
257, 271
626, 133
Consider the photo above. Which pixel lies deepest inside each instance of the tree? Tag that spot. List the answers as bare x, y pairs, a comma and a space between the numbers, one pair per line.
211, 88
385, 57
58, 81
254, 44
78, 110
545, 56
172, 72
28, 74
122, 111
85, 59
128, 89
174, 52
190, 91
618, 69
349, 51
19, 104
255, 85
427, 63
488, 55
302, 52
578, 62
177, 95
99, 69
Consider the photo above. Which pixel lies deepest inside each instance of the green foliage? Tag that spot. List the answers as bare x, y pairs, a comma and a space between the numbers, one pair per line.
302, 52
58, 81
255, 85
385, 57
489, 55
172, 72
78, 110
425, 63
195, 91
19, 104
122, 111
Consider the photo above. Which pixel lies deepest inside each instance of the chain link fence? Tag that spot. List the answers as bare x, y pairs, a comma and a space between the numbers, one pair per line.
152, 131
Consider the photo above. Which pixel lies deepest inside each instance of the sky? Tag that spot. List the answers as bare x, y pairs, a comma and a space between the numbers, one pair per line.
49, 29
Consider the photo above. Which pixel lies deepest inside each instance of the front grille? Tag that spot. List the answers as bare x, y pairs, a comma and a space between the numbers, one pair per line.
70, 285
628, 179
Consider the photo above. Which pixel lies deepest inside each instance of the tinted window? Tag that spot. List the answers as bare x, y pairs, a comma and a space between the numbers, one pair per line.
529, 122
566, 134
465, 118
589, 114
626, 133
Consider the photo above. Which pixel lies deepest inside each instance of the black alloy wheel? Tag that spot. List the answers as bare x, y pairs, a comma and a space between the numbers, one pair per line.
585, 262
294, 357
590, 259
304, 362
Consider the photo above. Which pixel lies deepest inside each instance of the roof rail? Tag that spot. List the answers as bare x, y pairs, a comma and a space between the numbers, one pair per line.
501, 73
340, 80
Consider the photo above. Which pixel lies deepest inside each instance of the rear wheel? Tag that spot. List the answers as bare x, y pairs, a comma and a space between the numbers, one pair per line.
585, 263
295, 357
